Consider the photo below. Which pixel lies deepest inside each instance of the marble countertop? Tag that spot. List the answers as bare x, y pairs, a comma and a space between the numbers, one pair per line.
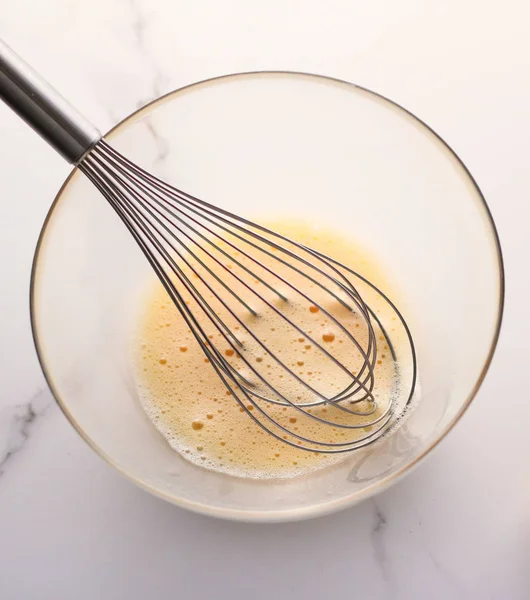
459, 526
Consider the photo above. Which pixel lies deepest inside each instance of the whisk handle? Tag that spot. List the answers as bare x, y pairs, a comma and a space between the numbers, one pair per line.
44, 109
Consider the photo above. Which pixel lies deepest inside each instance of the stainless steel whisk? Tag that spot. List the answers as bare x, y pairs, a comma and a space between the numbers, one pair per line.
188, 242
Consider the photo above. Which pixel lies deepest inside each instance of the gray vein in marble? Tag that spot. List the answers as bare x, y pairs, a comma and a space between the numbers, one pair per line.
446, 576
378, 542
159, 81
161, 143
17, 423
139, 25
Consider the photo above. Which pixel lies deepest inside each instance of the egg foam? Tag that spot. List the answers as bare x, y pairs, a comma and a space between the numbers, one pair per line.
190, 406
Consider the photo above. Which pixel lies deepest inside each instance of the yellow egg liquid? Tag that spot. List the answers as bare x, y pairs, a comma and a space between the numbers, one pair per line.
191, 407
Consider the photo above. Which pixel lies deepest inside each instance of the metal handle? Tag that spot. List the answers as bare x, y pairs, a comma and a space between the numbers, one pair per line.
50, 115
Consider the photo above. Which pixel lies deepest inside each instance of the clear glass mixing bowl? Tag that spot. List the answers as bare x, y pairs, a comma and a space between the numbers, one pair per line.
274, 144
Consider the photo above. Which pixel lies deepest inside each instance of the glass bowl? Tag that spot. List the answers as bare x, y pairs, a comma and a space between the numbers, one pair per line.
274, 144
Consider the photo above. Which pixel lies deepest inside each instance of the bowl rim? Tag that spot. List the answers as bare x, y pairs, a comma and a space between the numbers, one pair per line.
315, 510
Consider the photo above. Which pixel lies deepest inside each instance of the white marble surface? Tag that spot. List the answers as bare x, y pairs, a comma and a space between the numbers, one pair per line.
459, 526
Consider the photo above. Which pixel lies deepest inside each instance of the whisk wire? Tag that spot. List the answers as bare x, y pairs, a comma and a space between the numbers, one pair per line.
175, 230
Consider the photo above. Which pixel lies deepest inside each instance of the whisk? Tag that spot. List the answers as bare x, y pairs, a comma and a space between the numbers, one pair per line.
226, 275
